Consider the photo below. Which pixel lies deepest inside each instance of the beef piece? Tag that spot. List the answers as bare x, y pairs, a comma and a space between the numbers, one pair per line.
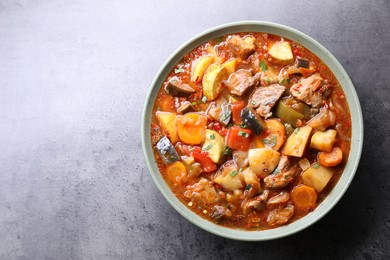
280, 216
309, 90
264, 98
242, 47
202, 193
175, 88
282, 175
220, 211
240, 81
185, 108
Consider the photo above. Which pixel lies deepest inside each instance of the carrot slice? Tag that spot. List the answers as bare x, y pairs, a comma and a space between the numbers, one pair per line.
176, 173
236, 108
304, 197
332, 158
191, 127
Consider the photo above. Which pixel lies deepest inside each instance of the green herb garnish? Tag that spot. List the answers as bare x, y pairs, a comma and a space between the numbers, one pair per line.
316, 165
233, 173
253, 103
263, 65
272, 142
179, 70
296, 130
248, 187
212, 137
158, 108
244, 134
243, 125
240, 170
208, 147
193, 103
268, 80
226, 115
228, 151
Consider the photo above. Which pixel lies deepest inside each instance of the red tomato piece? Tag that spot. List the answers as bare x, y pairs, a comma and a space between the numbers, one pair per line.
238, 138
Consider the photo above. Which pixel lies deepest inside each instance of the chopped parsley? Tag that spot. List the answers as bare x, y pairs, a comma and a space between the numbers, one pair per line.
228, 151
193, 103
243, 134
316, 165
158, 108
226, 115
272, 141
208, 147
263, 65
240, 170
296, 130
253, 103
204, 99
212, 137
233, 173
268, 80
179, 70
243, 125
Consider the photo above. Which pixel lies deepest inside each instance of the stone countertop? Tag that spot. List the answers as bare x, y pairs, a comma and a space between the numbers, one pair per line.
73, 78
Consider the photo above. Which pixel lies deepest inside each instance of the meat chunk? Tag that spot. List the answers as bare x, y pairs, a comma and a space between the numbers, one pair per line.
175, 88
310, 90
202, 192
280, 216
264, 98
242, 47
283, 174
220, 211
240, 81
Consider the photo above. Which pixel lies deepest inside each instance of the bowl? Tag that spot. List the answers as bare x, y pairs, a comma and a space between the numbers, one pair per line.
356, 142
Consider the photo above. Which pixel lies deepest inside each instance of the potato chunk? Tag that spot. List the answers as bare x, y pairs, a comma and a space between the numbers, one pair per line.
211, 82
227, 176
323, 141
296, 142
317, 176
230, 65
199, 67
263, 161
282, 52
168, 124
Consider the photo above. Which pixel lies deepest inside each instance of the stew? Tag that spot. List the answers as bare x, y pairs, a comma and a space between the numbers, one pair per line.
251, 131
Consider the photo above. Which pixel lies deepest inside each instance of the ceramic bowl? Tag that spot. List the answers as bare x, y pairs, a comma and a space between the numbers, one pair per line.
357, 130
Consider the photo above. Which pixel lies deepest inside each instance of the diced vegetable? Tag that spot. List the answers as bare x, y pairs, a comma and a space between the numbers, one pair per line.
304, 198
206, 163
211, 82
186, 107
168, 124
240, 158
330, 159
230, 66
166, 151
166, 103
323, 141
238, 138
317, 176
176, 173
236, 108
199, 67
263, 161
220, 111
215, 145
304, 164
296, 142
191, 127
302, 63
175, 88
272, 137
281, 51
322, 120
288, 114
227, 177
252, 120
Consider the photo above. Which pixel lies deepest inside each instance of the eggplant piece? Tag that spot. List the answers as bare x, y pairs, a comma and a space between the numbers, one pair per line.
220, 111
302, 63
166, 151
253, 121
175, 88
185, 108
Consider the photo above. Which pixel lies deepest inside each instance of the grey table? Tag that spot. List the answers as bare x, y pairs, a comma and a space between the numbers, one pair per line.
73, 79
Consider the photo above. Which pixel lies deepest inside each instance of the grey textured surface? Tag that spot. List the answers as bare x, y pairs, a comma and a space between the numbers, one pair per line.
73, 78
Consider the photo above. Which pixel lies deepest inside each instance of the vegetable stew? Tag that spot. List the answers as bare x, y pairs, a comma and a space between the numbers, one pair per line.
251, 131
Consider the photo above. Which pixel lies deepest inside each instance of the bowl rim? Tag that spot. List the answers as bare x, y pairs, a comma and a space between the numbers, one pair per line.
356, 141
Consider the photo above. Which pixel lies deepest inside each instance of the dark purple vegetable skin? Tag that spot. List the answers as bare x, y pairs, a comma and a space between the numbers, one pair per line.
252, 120
166, 151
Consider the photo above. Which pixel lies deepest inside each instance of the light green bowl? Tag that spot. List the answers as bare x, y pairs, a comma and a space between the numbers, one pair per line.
357, 129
